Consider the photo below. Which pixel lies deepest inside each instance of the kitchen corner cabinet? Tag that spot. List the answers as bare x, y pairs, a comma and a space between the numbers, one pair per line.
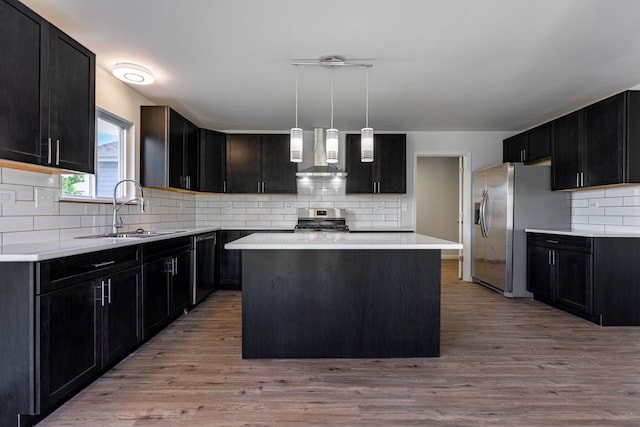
166, 282
169, 149
594, 278
212, 161
388, 171
598, 145
47, 112
260, 164
530, 146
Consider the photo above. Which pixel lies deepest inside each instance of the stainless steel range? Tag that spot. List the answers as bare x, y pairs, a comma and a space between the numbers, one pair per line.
322, 219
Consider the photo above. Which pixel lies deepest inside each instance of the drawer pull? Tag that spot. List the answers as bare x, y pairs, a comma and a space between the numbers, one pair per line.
553, 241
102, 264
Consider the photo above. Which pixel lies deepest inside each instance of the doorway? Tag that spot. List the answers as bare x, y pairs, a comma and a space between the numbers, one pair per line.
439, 201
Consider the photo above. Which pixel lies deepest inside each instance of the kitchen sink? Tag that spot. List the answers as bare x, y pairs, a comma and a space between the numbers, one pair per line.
128, 235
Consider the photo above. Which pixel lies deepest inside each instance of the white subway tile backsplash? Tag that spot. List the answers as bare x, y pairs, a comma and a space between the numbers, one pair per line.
612, 209
169, 209
29, 237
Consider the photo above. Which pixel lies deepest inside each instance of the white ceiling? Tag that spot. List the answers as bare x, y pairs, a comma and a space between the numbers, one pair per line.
464, 65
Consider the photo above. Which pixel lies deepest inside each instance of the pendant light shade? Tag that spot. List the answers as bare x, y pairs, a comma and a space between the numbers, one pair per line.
366, 134
366, 145
295, 145
295, 142
332, 134
332, 145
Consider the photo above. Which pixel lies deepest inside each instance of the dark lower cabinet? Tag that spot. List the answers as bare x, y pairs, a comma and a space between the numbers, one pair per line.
69, 341
593, 277
559, 271
85, 327
167, 278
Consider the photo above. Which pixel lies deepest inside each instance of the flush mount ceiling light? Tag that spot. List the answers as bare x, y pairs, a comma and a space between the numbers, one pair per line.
132, 73
366, 155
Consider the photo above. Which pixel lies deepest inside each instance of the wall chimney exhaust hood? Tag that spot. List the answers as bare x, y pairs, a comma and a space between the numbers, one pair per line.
320, 166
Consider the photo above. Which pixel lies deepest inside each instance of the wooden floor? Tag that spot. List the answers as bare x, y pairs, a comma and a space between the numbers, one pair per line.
504, 362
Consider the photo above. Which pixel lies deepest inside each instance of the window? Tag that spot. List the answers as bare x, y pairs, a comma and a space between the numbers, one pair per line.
111, 149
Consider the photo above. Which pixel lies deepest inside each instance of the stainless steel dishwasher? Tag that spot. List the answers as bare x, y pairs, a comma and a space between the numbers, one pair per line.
205, 266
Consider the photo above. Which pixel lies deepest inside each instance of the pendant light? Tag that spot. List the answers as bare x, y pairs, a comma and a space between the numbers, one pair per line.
366, 133
295, 143
332, 134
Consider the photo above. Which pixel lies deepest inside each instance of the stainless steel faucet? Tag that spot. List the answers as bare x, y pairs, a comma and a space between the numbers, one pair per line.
117, 223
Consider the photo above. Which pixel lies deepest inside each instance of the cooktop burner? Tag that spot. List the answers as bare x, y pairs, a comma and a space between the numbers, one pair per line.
322, 219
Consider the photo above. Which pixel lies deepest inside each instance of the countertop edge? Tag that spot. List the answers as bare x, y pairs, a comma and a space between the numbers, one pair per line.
581, 233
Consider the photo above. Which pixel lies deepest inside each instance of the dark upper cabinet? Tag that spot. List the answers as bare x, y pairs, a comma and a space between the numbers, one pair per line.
72, 105
259, 164
530, 146
23, 90
386, 174
598, 145
47, 110
169, 150
567, 146
212, 161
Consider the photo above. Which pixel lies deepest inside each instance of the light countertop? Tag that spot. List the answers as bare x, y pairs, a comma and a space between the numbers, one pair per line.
41, 251
324, 240
581, 233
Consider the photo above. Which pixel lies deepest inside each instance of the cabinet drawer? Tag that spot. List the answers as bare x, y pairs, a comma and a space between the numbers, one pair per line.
573, 243
155, 250
60, 272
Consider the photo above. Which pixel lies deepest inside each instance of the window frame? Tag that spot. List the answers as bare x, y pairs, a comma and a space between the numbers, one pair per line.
126, 160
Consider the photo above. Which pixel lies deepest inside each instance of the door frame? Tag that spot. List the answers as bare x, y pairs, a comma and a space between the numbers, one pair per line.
466, 201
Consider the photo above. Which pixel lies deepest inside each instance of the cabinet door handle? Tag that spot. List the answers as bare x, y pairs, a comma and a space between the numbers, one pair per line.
109, 293
581, 179
374, 186
57, 152
553, 241
102, 293
524, 154
224, 186
49, 152
258, 186
263, 186
102, 264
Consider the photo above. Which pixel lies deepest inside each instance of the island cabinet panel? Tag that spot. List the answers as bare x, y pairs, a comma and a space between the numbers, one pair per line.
260, 164
598, 145
340, 303
386, 174
48, 100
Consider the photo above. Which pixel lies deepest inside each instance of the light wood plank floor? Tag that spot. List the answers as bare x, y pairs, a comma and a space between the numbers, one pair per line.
504, 362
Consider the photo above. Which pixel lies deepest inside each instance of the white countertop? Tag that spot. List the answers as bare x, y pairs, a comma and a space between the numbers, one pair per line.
323, 240
581, 233
40, 251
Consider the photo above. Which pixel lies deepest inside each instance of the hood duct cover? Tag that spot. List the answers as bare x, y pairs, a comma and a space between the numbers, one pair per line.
320, 166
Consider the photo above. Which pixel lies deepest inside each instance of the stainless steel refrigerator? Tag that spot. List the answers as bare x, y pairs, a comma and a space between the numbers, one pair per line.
507, 199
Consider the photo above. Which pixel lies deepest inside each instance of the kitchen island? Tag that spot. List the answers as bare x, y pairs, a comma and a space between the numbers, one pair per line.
322, 294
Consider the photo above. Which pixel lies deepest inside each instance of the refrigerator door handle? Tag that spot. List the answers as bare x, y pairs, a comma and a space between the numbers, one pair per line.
483, 202
486, 215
